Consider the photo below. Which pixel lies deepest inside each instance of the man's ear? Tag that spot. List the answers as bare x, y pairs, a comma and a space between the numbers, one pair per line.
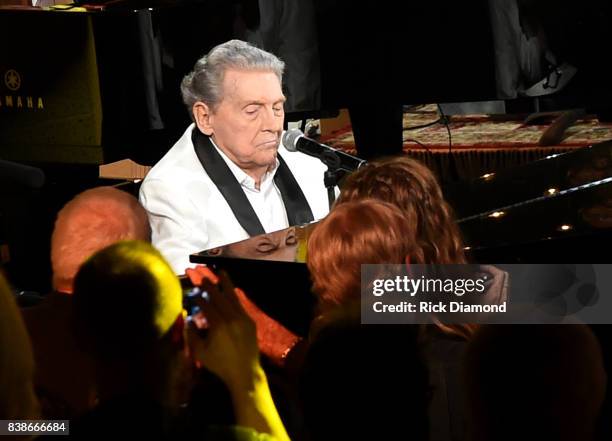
202, 114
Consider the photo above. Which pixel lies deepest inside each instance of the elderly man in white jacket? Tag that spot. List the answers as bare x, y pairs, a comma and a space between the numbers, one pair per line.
228, 177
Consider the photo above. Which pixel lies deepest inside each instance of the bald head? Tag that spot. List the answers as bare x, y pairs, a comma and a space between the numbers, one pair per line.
91, 221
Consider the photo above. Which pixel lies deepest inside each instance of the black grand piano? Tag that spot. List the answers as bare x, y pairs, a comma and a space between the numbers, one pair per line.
555, 210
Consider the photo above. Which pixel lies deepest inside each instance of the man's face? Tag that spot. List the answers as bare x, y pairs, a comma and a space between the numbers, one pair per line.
247, 123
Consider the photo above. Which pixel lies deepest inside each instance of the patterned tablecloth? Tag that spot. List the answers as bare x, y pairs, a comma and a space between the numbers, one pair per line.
481, 143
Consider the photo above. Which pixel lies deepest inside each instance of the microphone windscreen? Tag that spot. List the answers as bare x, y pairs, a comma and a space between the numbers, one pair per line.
290, 138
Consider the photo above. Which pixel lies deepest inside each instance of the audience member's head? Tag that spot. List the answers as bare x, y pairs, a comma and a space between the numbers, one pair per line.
355, 233
411, 186
534, 382
91, 221
362, 382
128, 305
127, 299
17, 399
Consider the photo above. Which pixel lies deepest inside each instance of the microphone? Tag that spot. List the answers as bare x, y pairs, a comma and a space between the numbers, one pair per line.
295, 141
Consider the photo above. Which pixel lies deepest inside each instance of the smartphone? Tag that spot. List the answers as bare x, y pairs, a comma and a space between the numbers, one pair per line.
191, 296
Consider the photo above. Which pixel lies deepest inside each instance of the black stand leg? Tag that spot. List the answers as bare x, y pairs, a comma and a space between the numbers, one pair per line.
331, 179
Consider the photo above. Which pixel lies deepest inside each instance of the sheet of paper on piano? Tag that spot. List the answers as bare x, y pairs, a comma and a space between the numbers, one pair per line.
124, 169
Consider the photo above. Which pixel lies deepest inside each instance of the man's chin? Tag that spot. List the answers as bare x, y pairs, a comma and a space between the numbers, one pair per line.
265, 158
268, 153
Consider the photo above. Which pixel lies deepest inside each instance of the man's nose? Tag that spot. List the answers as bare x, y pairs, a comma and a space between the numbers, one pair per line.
272, 120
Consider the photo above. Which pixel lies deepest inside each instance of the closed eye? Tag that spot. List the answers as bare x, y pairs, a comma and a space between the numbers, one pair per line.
251, 110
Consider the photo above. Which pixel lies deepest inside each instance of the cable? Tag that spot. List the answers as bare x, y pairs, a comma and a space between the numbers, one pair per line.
422, 126
451, 159
444, 120
419, 143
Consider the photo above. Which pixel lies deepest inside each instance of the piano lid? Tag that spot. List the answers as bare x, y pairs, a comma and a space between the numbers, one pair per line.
532, 182
556, 209
271, 269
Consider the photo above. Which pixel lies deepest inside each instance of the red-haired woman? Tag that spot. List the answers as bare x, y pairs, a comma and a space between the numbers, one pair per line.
419, 229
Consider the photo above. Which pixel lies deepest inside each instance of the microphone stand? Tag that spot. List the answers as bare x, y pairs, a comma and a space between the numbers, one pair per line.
338, 163
332, 175
331, 178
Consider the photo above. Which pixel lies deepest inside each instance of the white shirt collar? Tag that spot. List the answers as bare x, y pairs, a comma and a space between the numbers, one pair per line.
243, 178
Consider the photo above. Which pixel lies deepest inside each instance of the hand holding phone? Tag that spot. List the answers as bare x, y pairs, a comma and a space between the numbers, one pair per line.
229, 349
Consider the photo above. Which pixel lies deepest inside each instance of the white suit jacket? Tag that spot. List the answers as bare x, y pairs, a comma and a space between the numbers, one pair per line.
187, 212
